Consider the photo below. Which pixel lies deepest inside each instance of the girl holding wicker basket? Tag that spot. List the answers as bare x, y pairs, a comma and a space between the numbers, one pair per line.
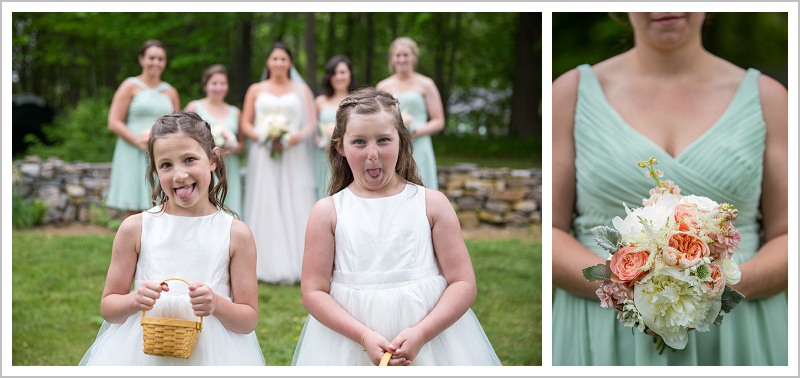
190, 236
386, 272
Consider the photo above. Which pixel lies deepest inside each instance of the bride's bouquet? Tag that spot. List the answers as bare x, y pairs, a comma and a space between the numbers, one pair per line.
273, 128
223, 137
670, 263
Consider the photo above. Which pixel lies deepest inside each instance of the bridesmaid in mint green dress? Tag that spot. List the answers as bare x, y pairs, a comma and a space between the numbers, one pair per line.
337, 83
723, 136
137, 104
224, 121
420, 105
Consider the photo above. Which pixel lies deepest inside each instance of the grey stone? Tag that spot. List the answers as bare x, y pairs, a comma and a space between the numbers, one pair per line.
31, 169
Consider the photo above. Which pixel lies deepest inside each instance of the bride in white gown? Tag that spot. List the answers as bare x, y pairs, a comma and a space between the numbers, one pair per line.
279, 190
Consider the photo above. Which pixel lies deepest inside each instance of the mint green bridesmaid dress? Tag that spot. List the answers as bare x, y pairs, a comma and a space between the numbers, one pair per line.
413, 102
128, 188
724, 164
322, 169
234, 198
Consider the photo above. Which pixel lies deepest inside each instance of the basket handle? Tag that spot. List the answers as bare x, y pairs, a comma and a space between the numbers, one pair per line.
187, 283
385, 360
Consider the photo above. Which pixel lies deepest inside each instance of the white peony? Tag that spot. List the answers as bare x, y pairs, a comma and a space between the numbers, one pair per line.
670, 302
657, 215
704, 204
731, 271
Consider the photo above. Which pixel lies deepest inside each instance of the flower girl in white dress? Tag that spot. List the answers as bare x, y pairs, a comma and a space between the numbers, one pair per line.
191, 235
385, 269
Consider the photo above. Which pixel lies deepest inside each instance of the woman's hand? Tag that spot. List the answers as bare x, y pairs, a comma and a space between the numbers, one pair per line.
144, 138
202, 298
147, 294
277, 145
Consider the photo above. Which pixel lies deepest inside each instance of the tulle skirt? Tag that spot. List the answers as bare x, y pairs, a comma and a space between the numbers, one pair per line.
388, 309
122, 344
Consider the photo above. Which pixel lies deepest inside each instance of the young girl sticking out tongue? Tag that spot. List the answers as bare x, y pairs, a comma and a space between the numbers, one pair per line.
189, 234
385, 268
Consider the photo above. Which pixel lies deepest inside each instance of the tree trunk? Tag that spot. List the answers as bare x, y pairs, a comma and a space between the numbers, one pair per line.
451, 72
239, 74
527, 85
439, 58
348, 34
331, 37
370, 48
311, 53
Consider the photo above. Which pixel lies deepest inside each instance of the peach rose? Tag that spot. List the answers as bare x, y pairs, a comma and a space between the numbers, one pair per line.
684, 217
718, 281
626, 264
688, 251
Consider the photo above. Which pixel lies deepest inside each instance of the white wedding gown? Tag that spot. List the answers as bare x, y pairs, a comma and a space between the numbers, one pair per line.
279, 195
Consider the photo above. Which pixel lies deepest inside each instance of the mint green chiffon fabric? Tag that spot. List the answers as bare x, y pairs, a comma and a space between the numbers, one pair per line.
724, 164
233, 200
322, 169
413, 102
128, 189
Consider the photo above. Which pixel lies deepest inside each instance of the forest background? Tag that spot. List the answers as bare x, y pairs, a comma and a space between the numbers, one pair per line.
487, 67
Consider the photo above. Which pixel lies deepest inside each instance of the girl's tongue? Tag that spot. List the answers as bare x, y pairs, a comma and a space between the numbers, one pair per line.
374, 173
185, 192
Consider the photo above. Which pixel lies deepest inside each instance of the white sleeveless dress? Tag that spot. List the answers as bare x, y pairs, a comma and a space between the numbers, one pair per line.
197, 250
386, 275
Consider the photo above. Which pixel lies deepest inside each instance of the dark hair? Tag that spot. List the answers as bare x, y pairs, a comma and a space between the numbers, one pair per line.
192, 126
150, 43
275, 46
368, 101
330, 70
211, 71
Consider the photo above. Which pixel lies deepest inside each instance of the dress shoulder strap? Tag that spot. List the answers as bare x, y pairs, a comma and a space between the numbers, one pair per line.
138, 82
200, 110
159, 88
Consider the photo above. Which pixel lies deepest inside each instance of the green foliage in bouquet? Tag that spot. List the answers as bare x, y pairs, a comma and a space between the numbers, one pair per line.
607, 238
730, 298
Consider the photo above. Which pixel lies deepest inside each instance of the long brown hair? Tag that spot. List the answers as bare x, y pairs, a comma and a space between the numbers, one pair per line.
368, 101
191, 125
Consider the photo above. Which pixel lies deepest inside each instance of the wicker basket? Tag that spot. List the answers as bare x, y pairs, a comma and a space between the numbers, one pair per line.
169, 337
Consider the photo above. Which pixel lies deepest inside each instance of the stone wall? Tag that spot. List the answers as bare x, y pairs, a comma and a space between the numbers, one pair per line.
494, 196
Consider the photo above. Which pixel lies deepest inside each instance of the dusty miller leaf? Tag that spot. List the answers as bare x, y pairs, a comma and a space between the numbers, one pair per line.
599, 272
730, 298
607, 238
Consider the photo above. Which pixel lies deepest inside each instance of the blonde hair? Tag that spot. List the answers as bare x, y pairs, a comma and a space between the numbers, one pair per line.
403, 41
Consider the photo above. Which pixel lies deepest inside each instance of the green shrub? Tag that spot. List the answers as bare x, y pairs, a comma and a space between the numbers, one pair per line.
81, 134
98, 215
26, 214
495, 151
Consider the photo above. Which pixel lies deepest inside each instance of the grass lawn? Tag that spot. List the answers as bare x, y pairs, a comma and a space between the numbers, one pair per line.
58, 279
